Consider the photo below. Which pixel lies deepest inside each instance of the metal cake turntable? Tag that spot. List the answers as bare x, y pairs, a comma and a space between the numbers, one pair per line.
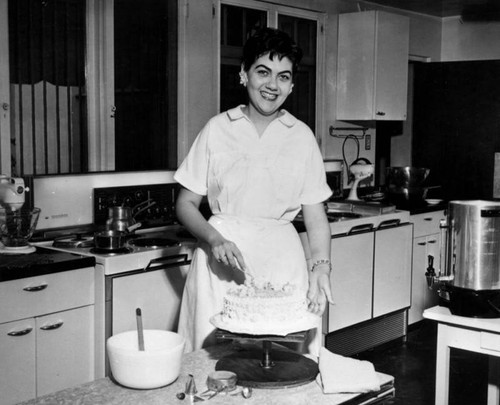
269, 366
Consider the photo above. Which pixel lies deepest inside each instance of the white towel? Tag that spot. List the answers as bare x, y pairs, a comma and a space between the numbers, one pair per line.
339, 374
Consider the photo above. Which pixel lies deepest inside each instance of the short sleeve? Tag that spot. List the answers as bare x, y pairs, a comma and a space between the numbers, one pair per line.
315, 189
193, 171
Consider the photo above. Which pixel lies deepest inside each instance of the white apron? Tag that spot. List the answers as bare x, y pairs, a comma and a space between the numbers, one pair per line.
271, 248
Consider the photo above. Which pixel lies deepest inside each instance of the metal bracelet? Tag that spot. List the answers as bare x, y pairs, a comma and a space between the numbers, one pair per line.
320, 262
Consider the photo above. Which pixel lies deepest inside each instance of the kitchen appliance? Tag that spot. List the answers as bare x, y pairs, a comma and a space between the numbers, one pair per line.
469, 278
12, 192
334, 169
147, 272
17, 224
360, 169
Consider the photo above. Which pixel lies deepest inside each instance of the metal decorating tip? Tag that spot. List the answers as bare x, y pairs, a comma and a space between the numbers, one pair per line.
191, 386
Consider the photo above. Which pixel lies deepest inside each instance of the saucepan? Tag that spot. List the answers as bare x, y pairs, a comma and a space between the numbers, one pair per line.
121, 219
112, 239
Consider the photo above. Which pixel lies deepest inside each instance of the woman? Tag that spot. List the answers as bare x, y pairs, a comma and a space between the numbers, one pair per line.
259, 166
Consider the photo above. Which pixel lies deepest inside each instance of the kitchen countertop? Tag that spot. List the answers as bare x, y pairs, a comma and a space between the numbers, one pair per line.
199, 363
428, 208
41, 262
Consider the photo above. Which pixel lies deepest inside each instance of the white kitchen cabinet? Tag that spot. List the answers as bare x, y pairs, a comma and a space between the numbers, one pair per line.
426, 242
65, 355
47, 334
351, 280
18, 361
372, 66
392, 270
371, 276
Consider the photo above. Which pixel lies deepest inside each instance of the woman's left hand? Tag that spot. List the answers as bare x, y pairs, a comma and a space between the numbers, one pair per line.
319, 293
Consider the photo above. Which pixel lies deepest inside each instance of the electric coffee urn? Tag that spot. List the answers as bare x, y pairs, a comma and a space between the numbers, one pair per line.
471, 258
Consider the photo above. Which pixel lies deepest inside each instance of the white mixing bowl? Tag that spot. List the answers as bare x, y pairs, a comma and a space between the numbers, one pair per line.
158, 365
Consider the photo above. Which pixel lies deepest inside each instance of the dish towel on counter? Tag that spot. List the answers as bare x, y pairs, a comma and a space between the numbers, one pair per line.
339, 374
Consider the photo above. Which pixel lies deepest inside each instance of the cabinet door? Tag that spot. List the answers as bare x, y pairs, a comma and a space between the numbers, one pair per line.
423, 297
391, 76
17, 361
392, 269
65, 349
158, 293
372, 72
351, 281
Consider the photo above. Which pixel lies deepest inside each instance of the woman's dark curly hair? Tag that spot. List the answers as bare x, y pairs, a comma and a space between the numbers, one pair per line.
274, 42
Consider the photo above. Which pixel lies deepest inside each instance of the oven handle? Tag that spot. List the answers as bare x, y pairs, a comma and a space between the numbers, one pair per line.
163, 262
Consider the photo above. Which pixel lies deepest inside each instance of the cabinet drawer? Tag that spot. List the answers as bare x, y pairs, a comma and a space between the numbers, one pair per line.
34, 296
426, 223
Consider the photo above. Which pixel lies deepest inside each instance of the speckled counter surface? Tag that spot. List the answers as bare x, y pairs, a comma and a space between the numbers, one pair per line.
199, 364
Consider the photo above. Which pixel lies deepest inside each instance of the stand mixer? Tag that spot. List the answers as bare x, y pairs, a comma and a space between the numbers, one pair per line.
16, 224
361, 169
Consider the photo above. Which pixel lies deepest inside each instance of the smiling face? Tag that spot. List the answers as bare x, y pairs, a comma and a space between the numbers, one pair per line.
269, 84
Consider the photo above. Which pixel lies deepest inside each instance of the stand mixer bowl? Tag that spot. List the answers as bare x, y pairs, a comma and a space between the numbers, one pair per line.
18, 226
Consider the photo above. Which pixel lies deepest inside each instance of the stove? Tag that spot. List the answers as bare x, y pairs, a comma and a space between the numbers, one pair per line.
157, 240
144, 251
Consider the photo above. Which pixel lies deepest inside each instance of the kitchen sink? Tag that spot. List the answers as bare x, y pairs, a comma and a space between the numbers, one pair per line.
334, 216
361, 207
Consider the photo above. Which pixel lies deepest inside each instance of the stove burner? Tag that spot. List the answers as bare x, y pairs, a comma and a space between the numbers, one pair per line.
73, 241
111, 252
154, 243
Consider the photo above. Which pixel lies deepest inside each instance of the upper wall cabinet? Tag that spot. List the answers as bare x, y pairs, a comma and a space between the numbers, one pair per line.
372, 69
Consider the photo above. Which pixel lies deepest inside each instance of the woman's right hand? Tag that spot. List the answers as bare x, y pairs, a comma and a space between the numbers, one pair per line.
225, 251
188, 213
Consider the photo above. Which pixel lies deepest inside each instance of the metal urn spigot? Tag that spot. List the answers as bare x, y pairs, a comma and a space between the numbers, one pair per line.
430, 274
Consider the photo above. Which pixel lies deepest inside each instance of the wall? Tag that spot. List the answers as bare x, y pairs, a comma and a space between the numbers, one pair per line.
463, 41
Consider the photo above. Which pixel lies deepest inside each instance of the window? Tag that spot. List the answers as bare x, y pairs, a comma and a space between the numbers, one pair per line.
238, 20
92, 84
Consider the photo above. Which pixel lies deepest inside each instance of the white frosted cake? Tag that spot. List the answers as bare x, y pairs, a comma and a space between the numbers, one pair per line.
264, 309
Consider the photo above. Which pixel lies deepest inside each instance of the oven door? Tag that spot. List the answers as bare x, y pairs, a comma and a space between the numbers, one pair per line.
157, 290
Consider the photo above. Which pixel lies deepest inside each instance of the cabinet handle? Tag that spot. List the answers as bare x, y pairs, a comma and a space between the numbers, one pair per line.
428, 219
360, 228
421, 243
36, 288
20, 332
432, 241
380, 113
389, 223
56, 325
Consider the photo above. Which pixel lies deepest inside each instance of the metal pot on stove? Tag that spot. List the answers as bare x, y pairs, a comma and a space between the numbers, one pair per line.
121, 219
113, 239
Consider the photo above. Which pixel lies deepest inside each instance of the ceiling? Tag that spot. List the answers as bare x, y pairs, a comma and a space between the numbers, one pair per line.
473, 10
